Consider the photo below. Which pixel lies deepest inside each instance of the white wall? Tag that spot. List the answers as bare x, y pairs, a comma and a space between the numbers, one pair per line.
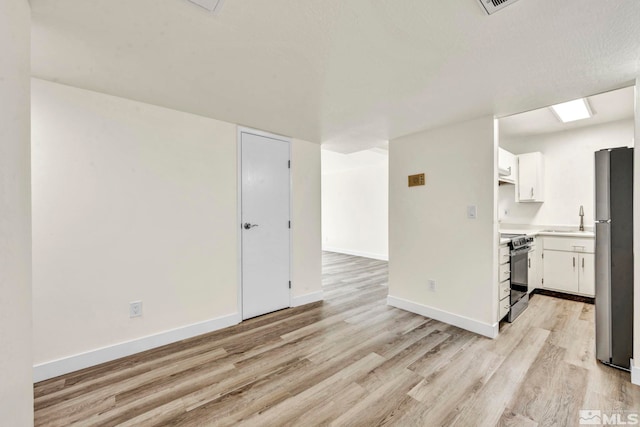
130, 202
569, 173
635, 374
355, 203
137, 202
305, 223
16, 391
430, 236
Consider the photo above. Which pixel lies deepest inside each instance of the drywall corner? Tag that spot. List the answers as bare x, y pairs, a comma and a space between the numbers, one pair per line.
431, 237
306, 256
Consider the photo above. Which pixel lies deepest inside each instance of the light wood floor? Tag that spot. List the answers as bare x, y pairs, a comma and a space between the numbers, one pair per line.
352, 360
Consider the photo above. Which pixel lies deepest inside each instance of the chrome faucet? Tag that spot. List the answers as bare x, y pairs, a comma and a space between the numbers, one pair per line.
581, 218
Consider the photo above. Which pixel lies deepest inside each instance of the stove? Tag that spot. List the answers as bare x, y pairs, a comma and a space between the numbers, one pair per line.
520, 245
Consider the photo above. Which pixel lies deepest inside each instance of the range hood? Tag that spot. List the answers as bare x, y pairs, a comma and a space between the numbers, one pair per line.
504, 176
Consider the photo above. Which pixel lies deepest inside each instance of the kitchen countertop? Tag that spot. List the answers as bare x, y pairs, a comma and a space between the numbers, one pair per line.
545, 232
586, 234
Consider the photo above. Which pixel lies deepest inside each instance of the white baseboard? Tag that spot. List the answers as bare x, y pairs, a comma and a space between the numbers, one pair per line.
381, 257
306, 299
54, 368
475, 326
635, 373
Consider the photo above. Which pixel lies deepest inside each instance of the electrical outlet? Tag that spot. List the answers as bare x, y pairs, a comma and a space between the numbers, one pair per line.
432, 285
135, 309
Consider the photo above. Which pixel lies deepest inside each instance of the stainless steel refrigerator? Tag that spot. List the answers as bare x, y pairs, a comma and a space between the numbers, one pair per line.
614, 256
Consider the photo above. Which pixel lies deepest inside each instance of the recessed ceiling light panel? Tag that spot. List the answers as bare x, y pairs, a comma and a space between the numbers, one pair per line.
578, 109
211, 5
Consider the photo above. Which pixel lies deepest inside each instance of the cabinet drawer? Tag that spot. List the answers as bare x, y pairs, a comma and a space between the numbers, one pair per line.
569, 244
503, 254
503, 308
504, 273
505, 289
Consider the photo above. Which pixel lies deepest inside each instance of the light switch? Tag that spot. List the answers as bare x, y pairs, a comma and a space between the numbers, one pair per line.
472, 212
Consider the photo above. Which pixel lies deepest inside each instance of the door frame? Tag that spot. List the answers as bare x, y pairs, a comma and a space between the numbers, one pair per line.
241, 130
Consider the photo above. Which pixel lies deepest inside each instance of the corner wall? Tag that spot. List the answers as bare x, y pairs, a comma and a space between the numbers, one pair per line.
16, 387
430, 236
306, 257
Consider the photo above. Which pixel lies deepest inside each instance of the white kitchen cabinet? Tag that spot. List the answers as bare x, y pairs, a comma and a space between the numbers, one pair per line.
587, 275
530, 181
570, 270
507, 166
504, 282
560, 271
534, 267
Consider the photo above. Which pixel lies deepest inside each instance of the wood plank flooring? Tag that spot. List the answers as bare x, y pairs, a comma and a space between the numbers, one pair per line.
352, 360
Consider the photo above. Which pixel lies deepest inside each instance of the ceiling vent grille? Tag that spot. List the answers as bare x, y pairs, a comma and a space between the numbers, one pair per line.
211, 5
492, 6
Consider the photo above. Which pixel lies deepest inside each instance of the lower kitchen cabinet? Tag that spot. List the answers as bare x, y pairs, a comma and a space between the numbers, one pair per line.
571, 272
503, 308
504, 283
534, 267
587, 275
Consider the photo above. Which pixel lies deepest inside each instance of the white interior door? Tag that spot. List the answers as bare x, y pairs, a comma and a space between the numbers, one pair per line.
265, 189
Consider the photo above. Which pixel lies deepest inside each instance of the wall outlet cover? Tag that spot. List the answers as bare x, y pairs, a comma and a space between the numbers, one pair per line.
135, 309
432, 285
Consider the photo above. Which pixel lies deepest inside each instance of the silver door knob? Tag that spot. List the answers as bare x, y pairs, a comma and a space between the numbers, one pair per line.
248, 226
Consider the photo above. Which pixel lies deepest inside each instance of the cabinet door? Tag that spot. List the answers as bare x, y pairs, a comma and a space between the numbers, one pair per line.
533, 270
526, 177
586, 282
530, 184
561, 271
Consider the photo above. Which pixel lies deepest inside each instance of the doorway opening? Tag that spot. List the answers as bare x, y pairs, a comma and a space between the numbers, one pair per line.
355, 218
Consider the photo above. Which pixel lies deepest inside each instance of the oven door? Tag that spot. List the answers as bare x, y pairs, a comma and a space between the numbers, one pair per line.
519, 273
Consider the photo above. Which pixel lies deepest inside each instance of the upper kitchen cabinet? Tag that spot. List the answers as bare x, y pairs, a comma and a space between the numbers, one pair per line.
530, 182
507, 165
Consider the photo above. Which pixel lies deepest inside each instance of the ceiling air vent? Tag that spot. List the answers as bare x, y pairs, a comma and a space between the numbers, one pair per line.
211, 5
492, 6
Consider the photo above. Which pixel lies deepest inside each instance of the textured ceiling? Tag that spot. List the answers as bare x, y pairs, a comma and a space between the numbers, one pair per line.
606, 107
349, 74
